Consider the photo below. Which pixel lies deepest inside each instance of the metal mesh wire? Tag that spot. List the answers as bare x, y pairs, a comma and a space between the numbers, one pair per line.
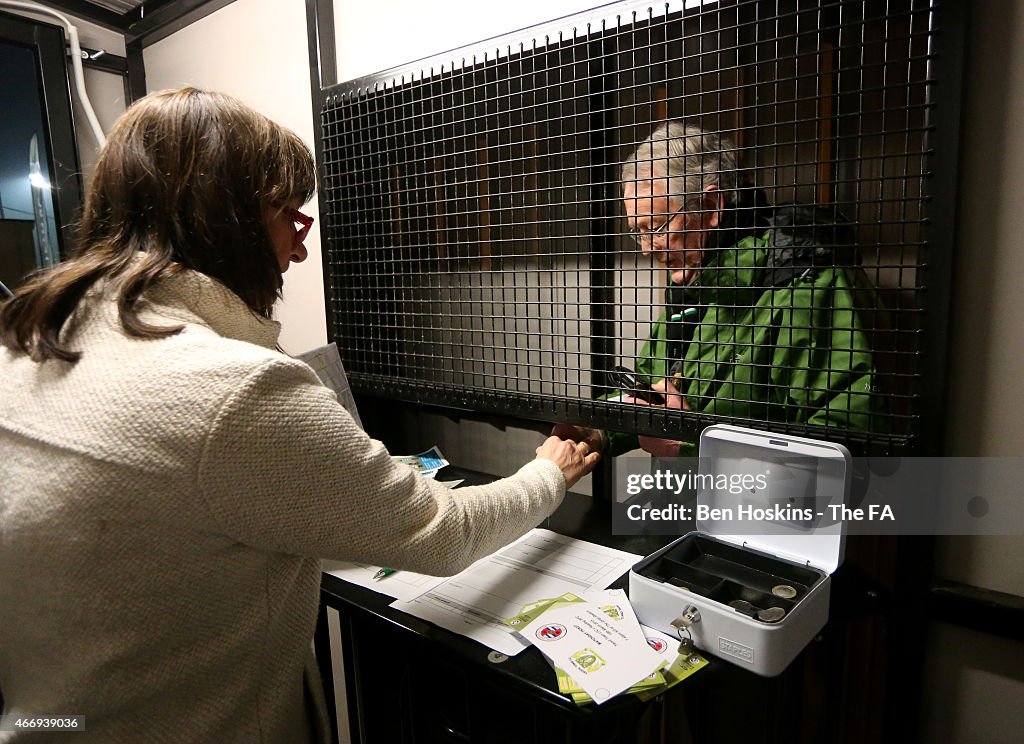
479, 252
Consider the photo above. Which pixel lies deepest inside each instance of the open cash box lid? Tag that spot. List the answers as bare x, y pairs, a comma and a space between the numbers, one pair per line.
805, 475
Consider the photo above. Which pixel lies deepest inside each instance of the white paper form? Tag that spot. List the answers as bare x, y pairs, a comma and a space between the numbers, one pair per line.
400, 584
326, 362
542, 563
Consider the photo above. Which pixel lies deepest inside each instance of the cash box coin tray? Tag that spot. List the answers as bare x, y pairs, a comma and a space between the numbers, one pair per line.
760, 598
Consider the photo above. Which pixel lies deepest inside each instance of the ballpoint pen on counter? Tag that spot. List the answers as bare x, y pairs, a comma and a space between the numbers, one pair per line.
383, 573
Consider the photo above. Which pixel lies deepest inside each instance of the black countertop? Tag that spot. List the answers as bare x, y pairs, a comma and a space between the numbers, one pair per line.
527, 673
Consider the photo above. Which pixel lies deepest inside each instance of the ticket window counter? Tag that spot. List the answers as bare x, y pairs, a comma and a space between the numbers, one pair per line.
406, 680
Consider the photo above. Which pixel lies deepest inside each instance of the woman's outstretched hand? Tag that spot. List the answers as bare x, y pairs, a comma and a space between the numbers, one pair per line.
574, 458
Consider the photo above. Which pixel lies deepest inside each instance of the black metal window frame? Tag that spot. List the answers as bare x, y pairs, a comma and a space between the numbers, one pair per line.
47, 42
597, 48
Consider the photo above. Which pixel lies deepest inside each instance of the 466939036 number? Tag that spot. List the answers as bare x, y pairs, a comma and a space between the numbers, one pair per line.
15, 722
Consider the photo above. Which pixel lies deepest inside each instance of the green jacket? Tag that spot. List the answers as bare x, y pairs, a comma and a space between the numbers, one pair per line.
770, 339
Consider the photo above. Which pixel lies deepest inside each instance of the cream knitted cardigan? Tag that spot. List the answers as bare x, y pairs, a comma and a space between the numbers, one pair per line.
163, 506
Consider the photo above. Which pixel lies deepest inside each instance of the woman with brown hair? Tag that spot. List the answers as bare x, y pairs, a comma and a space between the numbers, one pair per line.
169, 479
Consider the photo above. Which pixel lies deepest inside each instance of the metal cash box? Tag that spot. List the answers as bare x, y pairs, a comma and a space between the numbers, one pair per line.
755, 600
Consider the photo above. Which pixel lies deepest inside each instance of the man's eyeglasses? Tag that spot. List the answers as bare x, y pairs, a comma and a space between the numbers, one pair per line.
302, 222
651, 235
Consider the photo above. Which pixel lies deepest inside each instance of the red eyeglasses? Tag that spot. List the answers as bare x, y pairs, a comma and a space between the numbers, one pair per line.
302, 221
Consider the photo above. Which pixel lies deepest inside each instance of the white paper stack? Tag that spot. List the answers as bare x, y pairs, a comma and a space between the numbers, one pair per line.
597, 641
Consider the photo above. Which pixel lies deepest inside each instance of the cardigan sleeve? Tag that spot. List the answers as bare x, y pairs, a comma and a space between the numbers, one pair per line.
284, 467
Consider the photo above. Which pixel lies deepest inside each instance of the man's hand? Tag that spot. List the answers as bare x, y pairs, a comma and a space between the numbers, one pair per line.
673, 399
660, 447
593, 437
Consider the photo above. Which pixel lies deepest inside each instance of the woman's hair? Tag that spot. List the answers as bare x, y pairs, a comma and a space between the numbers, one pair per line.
689, 157
186, 180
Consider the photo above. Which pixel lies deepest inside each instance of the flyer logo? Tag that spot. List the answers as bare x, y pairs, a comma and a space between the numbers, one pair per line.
612, 611
551, 632
657, 644
587, 661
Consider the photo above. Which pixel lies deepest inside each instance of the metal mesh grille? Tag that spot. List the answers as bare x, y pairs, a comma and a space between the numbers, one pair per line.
479, 252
